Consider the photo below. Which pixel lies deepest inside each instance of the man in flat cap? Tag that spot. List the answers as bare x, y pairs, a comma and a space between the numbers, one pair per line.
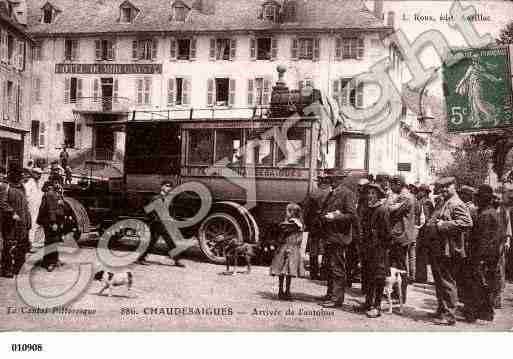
403, 230
158, 229
446, 229
338, 213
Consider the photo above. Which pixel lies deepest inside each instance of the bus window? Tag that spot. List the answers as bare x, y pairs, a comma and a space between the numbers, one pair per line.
259, 152
295, 149
228, 146
201, 145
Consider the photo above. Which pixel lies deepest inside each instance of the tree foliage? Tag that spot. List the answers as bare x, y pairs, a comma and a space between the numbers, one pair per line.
506, 35
470, 165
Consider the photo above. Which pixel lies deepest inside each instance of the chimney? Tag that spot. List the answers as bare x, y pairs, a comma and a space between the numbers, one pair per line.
378, 9
198, 5
390, 18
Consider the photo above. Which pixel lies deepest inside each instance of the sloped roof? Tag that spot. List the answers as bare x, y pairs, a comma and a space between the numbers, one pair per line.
101, 16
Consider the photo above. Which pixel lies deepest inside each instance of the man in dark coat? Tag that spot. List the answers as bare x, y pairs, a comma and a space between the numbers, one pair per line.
340, 222
158, 229
16, 222
425, 210
51, 218
486, 248
362, 210
403, 230
450, 220
374, 245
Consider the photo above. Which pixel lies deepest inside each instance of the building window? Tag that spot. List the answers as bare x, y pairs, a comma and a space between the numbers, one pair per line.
126, 14
184, 49
264, 48
72, 89
47, 15
349, 48
37, 90
37, 53
259, 91
68, 129
179, 91
9, 97
143, 91
223, 49
104, 50
70, 50
34, 132
271, 12
144, 49
222, 91
201, 147
10, 49
180, 13
306, 48
346, 92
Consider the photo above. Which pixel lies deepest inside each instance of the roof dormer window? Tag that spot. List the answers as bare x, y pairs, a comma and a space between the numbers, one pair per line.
127, 12
47, 16
270, 11
180, 11
48, 13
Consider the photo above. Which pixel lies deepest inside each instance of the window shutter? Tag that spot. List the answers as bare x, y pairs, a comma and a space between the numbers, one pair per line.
274, 48
2, 45
172, 49
336, 91
19, 105
338, 49
154, 48
97, 50
115, 90
252, 48
250, 92
96, 89
110, 50
359, 95
212, 52
147, 91
135, 50
233, 49
361, 47
74, 49
79, 89
344, 92
294, 49
193, 49
260, 12
316, 49
267, 91
186, 91
37, 89
210, 92
6, 101
67, 83
139, 91
231, 99
171, 92
42, 134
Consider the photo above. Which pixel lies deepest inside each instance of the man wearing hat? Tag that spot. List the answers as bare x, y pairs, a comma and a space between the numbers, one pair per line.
158, 229
445, 229
340, 223
425, 209
487, 245
15, 222
362, 210
374, 245
403, 230
34, 192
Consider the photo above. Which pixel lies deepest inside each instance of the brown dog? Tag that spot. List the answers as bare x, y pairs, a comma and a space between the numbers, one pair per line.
235, 249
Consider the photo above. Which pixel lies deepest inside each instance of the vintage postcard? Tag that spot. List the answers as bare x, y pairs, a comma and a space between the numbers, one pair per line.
256, 165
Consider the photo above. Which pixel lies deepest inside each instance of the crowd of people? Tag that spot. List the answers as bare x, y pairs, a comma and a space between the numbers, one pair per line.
32, 216
461, 232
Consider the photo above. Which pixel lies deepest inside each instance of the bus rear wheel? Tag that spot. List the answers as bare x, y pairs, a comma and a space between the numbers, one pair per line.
215, 231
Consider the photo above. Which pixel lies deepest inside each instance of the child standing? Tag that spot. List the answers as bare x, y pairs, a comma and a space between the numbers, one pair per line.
287, 262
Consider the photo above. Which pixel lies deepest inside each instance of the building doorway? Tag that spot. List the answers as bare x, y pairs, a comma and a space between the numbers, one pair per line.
104, 143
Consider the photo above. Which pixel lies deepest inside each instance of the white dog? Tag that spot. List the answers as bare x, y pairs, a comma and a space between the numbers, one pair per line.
109, 280
394, 280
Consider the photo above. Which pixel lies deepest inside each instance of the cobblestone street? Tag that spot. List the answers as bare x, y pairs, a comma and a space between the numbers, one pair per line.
208, 300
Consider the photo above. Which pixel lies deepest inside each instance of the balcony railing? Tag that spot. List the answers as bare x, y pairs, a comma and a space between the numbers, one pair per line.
102, 104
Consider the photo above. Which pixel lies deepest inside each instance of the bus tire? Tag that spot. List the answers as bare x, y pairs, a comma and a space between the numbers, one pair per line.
214, 231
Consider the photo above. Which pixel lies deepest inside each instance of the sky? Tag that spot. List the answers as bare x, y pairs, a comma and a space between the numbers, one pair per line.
499, 12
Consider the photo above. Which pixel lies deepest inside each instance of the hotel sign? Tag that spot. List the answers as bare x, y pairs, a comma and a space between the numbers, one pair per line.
113, 69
